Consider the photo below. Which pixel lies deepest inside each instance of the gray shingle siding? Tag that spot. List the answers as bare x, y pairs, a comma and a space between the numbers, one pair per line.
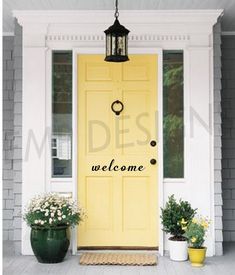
228, 136
8, 129
217, 140
17, 155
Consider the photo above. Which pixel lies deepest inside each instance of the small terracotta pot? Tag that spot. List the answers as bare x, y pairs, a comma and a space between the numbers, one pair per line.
197, 256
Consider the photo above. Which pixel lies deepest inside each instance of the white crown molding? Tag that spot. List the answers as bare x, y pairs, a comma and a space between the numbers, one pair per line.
127, 16
139, 37
147, 26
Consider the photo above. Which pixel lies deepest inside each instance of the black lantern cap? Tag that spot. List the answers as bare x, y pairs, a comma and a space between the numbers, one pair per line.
117, 29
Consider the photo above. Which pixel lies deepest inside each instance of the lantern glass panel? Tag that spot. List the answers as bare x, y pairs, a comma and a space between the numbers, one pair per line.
121, 45
113, 45
108, 44
125, 45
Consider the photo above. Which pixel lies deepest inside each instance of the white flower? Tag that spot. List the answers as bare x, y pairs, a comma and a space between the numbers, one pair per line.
42, 222
52, 205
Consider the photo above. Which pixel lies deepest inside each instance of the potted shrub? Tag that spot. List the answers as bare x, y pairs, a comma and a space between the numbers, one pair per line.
195, 233
50, 216
175, 217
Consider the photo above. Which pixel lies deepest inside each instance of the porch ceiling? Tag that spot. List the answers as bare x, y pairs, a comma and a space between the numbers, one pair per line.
228, 21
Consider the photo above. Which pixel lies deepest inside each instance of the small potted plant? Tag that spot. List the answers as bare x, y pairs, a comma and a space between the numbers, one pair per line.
195, 233
175, 217
50, 216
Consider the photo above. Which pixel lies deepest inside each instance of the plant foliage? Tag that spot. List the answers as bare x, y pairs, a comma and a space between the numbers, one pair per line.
173, 214
195, 232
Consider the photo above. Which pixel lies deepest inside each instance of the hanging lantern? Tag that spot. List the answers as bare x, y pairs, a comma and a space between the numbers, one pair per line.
116, 41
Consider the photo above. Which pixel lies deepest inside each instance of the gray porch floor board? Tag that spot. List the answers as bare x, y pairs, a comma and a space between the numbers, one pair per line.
27, 265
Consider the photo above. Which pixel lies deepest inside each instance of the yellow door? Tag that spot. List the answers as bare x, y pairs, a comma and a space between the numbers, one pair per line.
117, 185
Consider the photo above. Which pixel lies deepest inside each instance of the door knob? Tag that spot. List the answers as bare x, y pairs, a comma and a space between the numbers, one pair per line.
153, 161
153, 143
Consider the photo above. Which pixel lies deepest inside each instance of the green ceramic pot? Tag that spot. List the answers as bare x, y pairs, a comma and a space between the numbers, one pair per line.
50, 245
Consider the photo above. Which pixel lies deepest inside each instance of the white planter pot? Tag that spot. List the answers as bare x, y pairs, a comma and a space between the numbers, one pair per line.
178, 250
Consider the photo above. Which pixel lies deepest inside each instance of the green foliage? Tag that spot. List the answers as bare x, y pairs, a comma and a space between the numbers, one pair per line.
51, 210
173, 214
173, 165
173, 128
196, 231
173, 75
173, 145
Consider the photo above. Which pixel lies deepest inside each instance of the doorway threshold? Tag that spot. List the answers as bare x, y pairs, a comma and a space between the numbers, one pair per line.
118, 250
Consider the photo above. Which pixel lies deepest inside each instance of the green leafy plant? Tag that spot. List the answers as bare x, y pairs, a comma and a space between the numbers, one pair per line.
195, 232
51, 210
174, 215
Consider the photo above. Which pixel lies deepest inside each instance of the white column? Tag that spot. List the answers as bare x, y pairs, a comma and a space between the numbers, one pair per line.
34, 131
200, 135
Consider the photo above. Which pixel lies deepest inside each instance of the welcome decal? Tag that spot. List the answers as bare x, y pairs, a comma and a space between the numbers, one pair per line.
113, 167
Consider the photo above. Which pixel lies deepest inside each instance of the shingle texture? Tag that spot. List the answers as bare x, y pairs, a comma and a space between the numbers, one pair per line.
217, 140
228, 136
8, 136
17, 155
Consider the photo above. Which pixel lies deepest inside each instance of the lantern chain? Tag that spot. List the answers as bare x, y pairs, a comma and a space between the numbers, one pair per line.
116, 14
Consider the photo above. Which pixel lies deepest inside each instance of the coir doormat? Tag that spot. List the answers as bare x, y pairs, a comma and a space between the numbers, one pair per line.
118, 259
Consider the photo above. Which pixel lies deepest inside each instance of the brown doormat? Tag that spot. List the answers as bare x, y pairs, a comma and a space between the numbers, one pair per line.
118, 259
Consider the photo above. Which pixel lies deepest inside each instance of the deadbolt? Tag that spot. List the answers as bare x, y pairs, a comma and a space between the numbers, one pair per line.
153, 161
153, 143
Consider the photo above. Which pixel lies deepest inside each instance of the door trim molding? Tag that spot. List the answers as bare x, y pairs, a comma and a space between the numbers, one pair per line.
129, 248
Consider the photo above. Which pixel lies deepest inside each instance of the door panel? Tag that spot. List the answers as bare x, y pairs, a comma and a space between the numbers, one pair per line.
135, 190
121, 206
134, 139
96, 121
99, 203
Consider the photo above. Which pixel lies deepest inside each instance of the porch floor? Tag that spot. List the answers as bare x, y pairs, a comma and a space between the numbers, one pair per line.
27, 265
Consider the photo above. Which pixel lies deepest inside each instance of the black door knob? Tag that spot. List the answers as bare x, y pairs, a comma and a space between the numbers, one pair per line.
153, 143
153, 161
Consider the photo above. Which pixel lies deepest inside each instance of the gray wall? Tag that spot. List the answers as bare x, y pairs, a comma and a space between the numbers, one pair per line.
217, 139
8, 105
228, 136
17, 155
12, 137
